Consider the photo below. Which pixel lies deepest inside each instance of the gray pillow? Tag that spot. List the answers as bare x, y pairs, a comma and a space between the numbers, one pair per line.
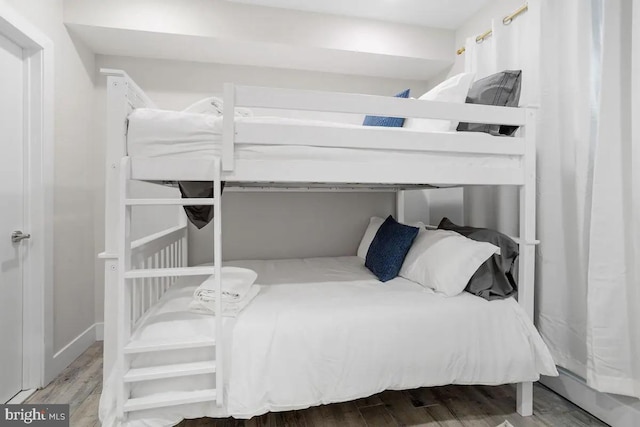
494, 279
501, 89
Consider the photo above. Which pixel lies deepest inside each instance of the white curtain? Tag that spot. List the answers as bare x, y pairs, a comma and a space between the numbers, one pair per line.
588, 200
586, 79
613, 275
566, 137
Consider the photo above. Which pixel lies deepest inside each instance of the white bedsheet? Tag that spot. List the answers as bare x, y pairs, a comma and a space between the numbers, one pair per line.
159, 133
324, 330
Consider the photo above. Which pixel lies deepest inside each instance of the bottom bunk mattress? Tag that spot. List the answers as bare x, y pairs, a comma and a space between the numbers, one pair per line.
325, 330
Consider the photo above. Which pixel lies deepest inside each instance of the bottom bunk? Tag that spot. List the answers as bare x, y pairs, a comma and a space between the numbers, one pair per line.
325, 330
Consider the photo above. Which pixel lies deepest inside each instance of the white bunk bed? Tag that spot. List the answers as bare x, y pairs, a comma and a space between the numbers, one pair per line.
141, 282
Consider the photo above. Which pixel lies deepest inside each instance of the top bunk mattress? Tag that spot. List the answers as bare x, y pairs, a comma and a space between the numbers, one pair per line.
156, 133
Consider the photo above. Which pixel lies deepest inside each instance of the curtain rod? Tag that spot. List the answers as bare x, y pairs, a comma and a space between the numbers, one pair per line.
506, 21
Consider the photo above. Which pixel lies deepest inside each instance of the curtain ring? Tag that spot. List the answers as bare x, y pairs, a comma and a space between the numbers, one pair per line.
483, 36
507, 19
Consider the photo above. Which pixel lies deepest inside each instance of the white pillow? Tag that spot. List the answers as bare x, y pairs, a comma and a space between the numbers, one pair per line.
215, 106
211, 105
444, 260
454, 89
374, 224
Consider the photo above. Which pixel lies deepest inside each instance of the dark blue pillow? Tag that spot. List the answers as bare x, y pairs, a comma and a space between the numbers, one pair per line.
392, 122
389, 248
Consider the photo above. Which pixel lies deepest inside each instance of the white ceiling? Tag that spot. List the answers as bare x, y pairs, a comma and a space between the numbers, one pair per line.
147, 44
233, 33
449, 14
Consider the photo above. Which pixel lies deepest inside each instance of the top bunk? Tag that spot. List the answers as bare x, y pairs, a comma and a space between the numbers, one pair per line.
265, 151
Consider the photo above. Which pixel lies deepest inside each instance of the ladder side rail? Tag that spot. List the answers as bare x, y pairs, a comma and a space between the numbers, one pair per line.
124, 294
217, 245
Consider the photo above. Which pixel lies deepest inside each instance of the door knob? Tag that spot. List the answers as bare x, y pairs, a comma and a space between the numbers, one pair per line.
17, 236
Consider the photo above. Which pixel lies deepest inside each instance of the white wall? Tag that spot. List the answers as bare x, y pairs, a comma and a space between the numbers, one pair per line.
290, 225
271, 225
479, 23
74, 182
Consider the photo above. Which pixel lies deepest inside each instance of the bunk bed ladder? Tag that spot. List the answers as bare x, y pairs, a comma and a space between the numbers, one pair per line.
129, 278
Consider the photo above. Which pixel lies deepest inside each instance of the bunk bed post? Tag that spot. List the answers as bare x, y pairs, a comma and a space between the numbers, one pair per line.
122, 95
526, 265
228, 126
117, 110
400, 217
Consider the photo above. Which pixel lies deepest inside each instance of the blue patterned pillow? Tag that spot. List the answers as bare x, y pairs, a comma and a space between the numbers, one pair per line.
389, 248
392, 122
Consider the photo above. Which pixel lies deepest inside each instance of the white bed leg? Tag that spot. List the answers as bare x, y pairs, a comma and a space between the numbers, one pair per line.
526, 277
524, 399
400, 217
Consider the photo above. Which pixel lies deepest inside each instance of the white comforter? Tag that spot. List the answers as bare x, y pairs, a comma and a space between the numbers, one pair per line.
325, 330
178, 135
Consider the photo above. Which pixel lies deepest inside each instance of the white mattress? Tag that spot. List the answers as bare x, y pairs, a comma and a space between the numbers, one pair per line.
158, 133
324, 330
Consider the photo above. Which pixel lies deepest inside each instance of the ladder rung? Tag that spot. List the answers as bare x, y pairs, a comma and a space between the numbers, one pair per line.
177, 398
146, 347
170, 371
169, 272
179, 202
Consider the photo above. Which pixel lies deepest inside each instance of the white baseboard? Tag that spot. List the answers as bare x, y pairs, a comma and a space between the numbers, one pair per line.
73, 350
615, 410
99, 331
21, 397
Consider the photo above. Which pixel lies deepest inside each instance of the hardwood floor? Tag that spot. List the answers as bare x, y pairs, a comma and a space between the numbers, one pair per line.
449, 406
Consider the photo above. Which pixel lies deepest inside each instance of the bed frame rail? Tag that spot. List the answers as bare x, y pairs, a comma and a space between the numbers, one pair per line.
167, 249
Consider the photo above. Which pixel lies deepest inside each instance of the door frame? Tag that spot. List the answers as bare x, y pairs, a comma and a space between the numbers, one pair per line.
38, 196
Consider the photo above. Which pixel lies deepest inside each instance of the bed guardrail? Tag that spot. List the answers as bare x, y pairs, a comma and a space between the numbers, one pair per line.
165, 249
349, 103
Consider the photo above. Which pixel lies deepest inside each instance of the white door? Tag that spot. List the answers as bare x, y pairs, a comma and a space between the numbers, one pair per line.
11, 216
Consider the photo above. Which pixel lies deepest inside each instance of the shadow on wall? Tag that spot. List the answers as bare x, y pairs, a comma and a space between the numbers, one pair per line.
255, 225
86, 56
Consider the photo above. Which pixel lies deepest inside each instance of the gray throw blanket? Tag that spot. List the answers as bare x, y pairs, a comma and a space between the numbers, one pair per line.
199, 215
495, 278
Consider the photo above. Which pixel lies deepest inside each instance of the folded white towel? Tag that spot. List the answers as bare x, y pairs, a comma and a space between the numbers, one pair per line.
229, 309
236, 283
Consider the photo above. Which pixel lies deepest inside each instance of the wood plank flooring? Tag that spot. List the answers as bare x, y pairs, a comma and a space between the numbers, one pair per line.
449, 406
